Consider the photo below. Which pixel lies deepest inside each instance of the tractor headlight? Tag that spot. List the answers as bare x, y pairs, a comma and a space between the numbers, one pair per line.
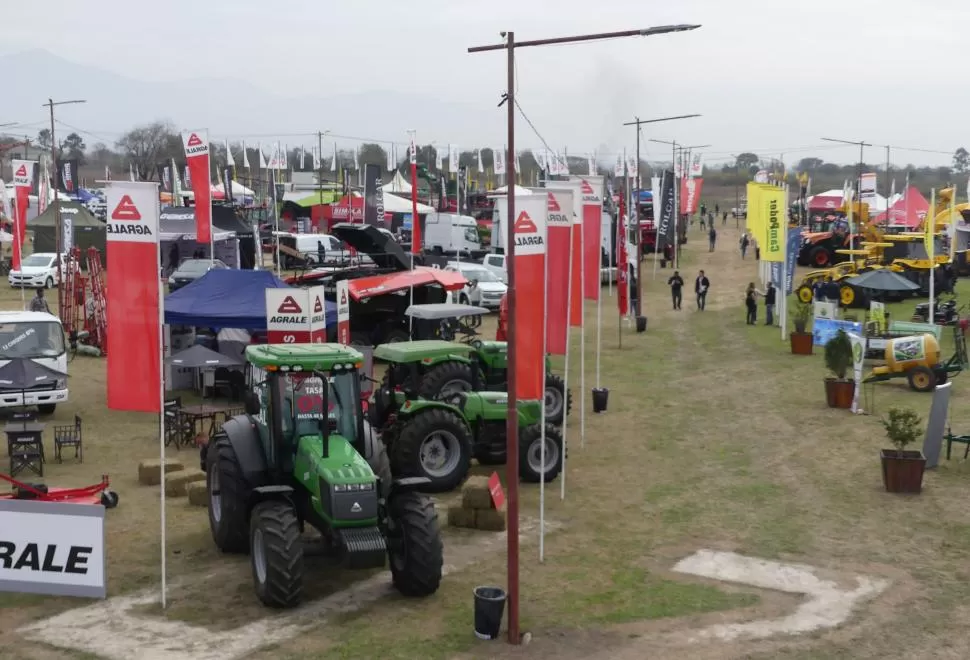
340, 488
353, 488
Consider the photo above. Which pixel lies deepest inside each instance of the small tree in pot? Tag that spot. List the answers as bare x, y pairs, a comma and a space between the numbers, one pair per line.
801, 341
902, 470
838, 359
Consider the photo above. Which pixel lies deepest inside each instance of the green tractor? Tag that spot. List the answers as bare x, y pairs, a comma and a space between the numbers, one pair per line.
304, 454
446, 368
437, 440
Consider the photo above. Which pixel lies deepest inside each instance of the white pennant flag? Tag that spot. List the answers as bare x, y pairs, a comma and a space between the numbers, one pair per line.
564, 163
262, 158
631, 166
245, 156
454, 158
356, 162
229, 159
618, 167
5, 209
697, 165
285, 158
334, 161
478, 152
518, 168
591, 165
439, 159
413, 151
131, 172
302, 157
315, 155
498, 160
390, 157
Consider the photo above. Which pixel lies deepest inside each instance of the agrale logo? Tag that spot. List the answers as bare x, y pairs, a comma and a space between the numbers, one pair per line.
127, 219
289, 311
526, 231
589, 195
556, 216
195, 146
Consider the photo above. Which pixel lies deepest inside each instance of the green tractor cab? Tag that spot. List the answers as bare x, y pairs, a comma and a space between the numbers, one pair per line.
442, 369
303, 454
436, 440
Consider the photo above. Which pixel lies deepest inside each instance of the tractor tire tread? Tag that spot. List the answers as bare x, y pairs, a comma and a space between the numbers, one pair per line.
283, 552
421, 573
559, 383
404, 450
527, 436
232, 533
436, 378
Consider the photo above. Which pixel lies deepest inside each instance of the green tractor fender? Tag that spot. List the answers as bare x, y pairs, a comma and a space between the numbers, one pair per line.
493, 406
414, 407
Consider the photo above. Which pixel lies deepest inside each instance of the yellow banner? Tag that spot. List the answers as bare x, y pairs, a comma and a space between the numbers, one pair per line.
754, 221
775, 224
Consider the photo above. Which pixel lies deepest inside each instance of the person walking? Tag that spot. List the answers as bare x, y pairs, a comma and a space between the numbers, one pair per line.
321, 253
712, 237
701, 286
770, 304
757, 249
744, 244
751, 304
38, 303
724, 215
676, 284
703, 209
717, 208
703, 224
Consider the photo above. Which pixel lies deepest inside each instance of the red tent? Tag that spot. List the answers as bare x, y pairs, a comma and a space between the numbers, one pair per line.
906, 214
827, 201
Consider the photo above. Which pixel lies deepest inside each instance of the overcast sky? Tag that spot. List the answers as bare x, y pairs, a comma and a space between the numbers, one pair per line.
770, 77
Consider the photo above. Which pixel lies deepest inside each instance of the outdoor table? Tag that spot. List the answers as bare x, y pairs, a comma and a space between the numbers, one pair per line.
197, 416
24, 432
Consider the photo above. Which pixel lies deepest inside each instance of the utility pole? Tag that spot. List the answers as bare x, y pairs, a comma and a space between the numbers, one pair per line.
512, 428
319, 169
635, 211
58, 231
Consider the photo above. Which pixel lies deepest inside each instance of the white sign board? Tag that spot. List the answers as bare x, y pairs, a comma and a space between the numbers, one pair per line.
343, 312
318, 315
287, 316
52, 548
824, 310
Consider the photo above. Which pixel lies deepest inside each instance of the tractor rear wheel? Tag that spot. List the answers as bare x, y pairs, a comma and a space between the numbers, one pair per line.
820, 257
277, 556
445, 381
375, 453
559, 400
414, 547
531, 467
847, 295
435, 444
227, 488
921, 379
805, 294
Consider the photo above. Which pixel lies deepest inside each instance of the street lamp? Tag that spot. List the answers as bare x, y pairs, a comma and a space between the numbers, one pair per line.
636, 205
512, 428
58, 238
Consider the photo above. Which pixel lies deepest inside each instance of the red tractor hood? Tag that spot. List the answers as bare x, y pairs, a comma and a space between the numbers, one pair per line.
379, 285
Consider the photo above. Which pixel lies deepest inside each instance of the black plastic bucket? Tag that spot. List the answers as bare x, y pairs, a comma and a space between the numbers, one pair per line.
641, 324
601, 396
489, 609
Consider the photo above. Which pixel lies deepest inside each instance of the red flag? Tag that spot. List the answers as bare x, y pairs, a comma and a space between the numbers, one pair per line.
622, 284
558, 245
592, 201
23, 181
690, 194
133, 300
530, 293
196, 145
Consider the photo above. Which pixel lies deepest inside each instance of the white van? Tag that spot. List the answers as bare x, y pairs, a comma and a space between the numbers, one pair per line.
450, 233
37, 336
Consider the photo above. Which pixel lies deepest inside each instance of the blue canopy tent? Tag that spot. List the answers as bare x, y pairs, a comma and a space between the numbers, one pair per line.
228, 298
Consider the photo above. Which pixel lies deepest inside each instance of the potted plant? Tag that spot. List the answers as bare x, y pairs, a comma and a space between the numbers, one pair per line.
801, 341
902, 469
838, 359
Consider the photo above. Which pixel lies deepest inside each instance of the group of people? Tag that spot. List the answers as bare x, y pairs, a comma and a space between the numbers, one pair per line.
701, 287
751, 295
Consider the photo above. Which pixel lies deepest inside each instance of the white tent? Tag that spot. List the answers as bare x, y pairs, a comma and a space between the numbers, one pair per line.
397, 185
238, 190
519, 190
395, 204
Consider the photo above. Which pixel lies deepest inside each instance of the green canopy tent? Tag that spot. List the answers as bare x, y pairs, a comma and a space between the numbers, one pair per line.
87, 230
320, 197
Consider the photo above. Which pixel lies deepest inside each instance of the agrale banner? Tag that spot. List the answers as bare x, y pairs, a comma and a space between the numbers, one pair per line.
23, 181
197, 164
530, 294
591, 198
133, 298
287, 316
318, 314
343, 312
559, 225
690, 194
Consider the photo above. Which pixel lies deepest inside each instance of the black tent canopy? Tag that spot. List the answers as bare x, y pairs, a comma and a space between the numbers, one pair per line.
86, 230
181, 220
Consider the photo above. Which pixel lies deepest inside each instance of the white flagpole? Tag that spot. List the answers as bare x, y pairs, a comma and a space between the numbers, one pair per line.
542, 418
208, 184
930, 229
783, 309
582, 332
569, 316
276, 211
161, 420
656, 182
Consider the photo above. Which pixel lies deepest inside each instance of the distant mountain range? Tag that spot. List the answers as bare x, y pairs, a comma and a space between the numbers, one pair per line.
226, 107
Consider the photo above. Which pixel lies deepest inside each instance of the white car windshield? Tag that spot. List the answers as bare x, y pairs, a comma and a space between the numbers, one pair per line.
480, 274
35, 339
37, 260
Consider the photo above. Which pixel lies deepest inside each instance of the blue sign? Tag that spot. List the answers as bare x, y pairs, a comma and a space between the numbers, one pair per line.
791, 257
824, 329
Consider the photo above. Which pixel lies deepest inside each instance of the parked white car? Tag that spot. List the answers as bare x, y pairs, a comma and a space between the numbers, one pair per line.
496, 264
484, 287
38, 270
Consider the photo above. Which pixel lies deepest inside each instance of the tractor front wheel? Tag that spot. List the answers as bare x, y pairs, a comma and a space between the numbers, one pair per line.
277, 554
531, 467
820, 257
227, 497
414, 546
805, 294
435, 444
559, 401
444, 382
921, 379
847, 295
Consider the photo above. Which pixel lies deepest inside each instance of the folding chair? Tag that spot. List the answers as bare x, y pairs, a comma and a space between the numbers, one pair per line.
26, 454
68, 436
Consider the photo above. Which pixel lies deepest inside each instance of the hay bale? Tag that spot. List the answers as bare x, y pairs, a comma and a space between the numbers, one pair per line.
459, 516
176, 482
475, 494
150, 470
198, 493
490, 520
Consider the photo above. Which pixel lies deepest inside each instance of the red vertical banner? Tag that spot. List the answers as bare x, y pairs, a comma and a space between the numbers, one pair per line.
133, 298
287, 316
23, 181
690, 194
196, 145
343, 312
318, 315
622, 269
559, 225
530, 294
591, 201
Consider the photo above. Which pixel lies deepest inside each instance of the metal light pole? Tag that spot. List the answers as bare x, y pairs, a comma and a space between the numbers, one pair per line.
58, 238
637, 122
512, 429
